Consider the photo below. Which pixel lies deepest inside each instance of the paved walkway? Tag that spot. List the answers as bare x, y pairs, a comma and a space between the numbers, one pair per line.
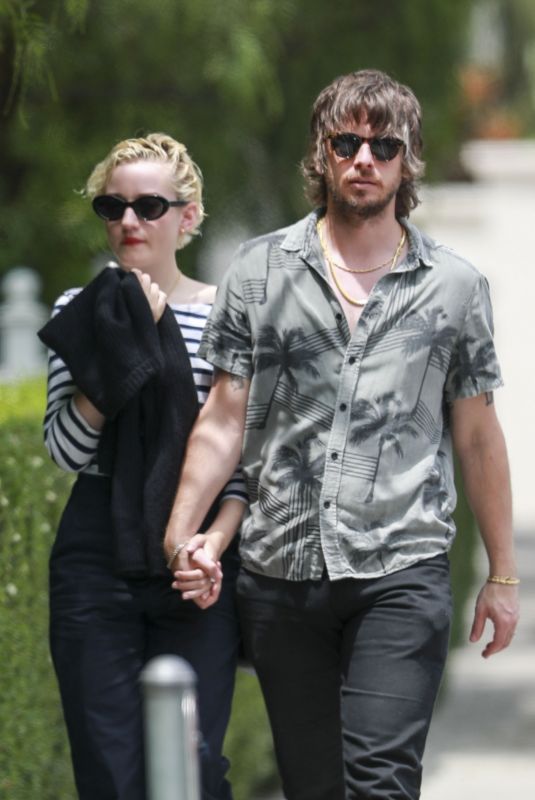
482, 741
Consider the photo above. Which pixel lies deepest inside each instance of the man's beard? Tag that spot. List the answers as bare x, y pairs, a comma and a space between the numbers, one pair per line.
354, 208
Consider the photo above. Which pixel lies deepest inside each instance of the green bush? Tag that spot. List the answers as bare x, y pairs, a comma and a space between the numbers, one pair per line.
24, 400
33, 749
34, 759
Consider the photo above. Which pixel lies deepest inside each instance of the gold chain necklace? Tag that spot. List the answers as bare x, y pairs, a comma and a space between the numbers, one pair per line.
363, 271
354, 300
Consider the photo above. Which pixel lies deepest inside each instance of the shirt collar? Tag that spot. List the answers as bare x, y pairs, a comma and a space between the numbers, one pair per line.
420, 249
301, 235
303, 239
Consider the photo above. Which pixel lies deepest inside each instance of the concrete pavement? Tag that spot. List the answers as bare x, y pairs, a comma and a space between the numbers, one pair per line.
482, 741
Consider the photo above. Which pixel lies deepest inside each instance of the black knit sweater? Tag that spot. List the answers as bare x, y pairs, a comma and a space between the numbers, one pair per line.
138, 375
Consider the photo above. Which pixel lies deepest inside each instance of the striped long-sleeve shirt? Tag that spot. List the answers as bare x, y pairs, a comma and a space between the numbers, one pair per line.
72, 442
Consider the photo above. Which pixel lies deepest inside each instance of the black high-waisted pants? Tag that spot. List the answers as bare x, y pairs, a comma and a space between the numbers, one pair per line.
104, 629
350, 670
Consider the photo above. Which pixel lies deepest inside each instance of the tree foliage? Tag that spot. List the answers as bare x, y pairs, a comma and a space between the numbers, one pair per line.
233, 80
27, 32
515, 94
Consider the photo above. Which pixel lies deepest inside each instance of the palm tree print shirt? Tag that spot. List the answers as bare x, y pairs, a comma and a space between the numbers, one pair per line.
347, 451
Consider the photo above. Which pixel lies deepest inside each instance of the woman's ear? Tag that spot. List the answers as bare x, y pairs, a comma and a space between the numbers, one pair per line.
189, 217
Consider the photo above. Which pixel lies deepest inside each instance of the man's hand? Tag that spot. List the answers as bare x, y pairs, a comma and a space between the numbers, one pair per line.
198, 575
480, 446
499, 604
212, 454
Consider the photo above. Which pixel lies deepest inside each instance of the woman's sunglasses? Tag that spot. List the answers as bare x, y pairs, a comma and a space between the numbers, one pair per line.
147, 207
347, 145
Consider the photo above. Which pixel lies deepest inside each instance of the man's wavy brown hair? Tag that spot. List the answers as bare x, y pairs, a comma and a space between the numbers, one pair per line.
389, 107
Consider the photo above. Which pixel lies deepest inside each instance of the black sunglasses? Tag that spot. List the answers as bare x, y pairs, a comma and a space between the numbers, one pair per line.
147, 207
347, 145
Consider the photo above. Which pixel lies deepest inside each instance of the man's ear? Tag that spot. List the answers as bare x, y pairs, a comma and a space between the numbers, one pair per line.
320, 160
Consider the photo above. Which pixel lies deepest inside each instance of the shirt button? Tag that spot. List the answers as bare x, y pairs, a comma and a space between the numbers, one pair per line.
334, 456
343, 406
327, 504
339, 317
351, 359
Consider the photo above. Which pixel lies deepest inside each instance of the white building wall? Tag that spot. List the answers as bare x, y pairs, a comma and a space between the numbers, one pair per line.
492, 223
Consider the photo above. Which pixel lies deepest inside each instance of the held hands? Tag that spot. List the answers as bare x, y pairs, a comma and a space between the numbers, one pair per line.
498, 603
197, 570
155, 297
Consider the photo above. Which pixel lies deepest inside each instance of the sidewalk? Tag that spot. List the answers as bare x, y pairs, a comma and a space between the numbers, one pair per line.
482, 740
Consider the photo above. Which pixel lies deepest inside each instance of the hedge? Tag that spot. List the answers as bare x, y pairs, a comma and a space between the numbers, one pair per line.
33, 754
34, 759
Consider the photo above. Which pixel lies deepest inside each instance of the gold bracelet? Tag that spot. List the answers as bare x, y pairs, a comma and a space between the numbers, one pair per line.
178, 549
506, 580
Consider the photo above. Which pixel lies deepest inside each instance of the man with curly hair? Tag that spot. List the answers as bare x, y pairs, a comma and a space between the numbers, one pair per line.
353, 355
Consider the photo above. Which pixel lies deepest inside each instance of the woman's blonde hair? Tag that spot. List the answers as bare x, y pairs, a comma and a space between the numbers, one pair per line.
186, 175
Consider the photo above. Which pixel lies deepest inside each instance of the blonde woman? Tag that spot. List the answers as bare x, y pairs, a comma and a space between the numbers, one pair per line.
125, 385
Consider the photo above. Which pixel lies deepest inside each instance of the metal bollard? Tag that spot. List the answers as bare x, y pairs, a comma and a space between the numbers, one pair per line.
171, 732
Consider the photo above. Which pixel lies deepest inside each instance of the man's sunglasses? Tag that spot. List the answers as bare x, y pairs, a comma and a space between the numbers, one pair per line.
347, 145
147, 207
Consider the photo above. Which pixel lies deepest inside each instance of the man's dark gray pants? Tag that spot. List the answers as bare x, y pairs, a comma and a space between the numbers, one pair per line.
350, 671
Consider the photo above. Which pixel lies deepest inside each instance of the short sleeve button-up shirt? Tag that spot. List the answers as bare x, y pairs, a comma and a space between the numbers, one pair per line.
347, 450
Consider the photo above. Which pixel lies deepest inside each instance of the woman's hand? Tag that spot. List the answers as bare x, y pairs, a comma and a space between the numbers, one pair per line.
197, 566
199, 575
155, 297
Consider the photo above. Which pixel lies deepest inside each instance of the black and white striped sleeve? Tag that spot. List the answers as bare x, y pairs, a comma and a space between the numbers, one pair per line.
71, 442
